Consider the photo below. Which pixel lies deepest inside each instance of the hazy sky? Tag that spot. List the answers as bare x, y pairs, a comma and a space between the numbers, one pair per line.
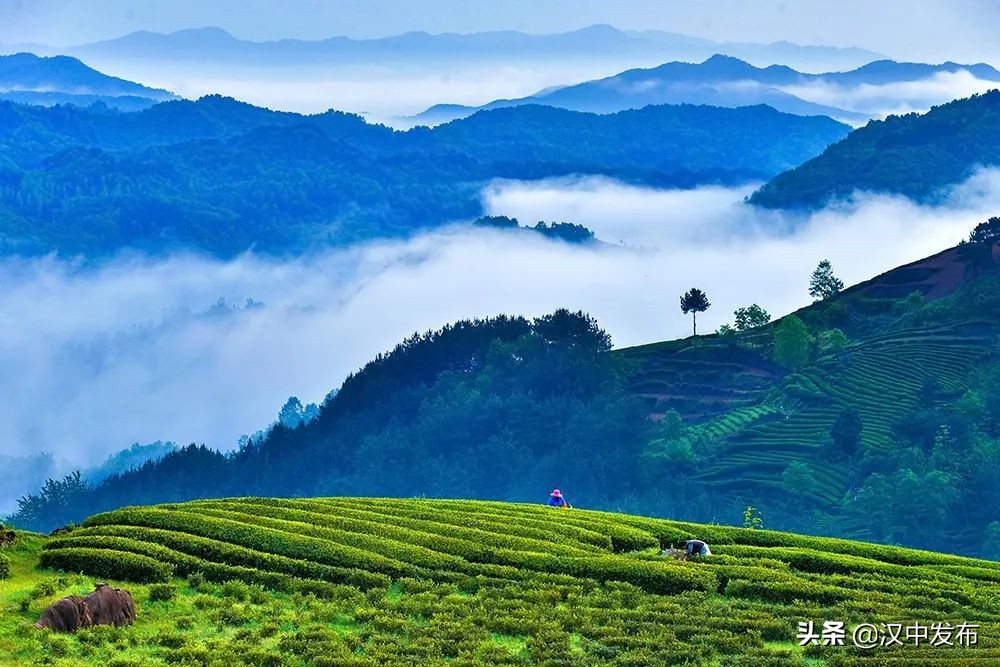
926, 30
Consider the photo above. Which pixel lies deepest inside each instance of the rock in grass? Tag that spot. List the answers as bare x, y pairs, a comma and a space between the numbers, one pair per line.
105, 606
66, 615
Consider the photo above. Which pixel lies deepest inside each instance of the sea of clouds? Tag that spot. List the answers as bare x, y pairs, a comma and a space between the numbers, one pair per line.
138, 349
902, 97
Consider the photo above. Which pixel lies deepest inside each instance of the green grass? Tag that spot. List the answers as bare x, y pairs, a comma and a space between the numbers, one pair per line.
350, 581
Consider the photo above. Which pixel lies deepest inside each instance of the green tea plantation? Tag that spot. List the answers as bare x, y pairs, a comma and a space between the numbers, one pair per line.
357, 581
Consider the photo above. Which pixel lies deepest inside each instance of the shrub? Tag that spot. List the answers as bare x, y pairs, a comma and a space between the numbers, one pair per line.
257, 594
4, 567
97, 635
831, 341
232, 616
259, 539
792, 342
237, 590
107, 563
784, 592
910, 303
196, 580
43, 589
654, 576
170, 639
181, 562
161, 593
126, 662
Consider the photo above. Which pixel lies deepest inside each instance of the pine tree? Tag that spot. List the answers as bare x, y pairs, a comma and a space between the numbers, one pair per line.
694, 301
823, 283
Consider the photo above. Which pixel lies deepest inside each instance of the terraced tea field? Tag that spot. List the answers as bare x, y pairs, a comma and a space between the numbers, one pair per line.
881, 376
352, 581
757, 422
700, 379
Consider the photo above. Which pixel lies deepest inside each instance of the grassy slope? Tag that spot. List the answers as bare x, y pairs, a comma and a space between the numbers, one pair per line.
368, 582
758, 417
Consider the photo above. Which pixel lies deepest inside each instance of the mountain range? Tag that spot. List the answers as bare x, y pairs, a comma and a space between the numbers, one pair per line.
221, 176
210, 44
29, 79
727, 82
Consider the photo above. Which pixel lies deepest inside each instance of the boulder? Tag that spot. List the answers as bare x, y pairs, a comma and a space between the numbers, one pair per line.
105, 606
67, 615
110, 606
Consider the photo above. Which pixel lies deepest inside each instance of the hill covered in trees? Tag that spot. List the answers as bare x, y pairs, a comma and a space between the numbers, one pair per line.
221, 176
915, 155
375, 581
30, 79
870, 414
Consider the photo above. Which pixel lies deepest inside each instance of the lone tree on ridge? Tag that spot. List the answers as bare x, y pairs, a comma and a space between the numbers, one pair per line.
694, 301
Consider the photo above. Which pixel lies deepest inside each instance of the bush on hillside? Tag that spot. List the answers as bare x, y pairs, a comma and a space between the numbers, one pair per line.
792, 342
161, 593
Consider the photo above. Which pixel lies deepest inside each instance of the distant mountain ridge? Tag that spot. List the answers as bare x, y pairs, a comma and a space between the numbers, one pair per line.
718, 81
217, 44
914, 155
31, 79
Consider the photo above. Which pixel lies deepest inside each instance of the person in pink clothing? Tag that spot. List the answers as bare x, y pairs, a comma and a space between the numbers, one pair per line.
556, 500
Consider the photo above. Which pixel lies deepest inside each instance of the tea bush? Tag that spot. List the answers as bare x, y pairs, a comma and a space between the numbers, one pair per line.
161, 593
350, 581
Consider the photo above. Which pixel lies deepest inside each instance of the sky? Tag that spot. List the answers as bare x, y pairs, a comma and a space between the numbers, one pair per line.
932, 30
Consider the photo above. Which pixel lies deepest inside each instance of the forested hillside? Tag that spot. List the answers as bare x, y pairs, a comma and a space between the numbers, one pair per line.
914, 155
487, 409
869, 414
222, 176
27, 78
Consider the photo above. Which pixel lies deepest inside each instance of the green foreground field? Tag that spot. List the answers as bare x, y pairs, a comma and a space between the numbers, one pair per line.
353, 581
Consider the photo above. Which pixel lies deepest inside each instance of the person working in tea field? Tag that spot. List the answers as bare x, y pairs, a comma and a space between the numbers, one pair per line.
556, 499
695, 548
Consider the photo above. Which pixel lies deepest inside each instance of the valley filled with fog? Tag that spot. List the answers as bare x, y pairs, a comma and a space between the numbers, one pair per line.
192, 349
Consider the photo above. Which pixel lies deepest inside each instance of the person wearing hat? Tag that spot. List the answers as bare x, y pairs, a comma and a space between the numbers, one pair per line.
695, 549
556, 500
